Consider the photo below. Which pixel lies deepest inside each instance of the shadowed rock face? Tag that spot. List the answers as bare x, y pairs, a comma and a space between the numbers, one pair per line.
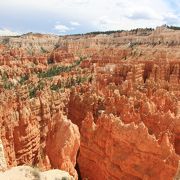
116, 96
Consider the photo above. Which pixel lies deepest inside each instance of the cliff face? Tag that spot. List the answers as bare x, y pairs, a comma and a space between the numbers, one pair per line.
114, 98
32, 43
90, 43
111, 149
36, 132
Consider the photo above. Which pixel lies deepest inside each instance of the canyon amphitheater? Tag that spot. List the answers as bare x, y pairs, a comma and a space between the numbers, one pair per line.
99, 106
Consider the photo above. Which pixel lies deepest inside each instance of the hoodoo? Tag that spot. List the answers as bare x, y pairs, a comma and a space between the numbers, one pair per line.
107, 103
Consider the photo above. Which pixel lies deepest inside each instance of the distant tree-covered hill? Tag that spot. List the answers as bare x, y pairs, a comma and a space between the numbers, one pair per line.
173, 27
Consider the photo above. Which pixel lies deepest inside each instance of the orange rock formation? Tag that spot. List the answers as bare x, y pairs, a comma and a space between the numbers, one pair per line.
114, 98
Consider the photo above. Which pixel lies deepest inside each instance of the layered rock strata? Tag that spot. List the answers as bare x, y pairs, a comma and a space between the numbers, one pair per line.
35, 132
111, 149
120, 90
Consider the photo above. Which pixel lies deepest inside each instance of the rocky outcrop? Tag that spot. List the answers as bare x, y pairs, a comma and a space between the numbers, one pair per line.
83, 100
111, 149
29, 173
38, 43
36, 132
32, 43
61, 55
62, 145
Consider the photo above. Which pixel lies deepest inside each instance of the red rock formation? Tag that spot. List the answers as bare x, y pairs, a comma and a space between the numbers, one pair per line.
111, 149
79, 104
134, 75
63, 144
36, 133
61, 55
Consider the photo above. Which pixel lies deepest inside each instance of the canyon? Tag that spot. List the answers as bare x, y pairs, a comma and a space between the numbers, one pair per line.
94, 106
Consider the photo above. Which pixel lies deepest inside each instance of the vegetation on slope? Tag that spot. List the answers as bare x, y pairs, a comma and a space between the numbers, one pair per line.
173, 27
56, 70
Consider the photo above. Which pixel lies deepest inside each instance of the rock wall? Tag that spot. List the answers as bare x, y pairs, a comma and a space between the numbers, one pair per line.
111, 149
36, 132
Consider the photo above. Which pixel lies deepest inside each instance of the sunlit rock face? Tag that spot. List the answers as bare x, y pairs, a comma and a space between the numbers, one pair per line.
111, 149
107, 104
37, 133
29, 173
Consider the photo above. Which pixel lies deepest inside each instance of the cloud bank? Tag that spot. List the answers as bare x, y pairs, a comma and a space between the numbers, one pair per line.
7, 32
80, 16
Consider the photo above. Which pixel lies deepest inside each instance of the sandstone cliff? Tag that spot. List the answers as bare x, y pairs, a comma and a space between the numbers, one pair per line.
111, 149
35, 132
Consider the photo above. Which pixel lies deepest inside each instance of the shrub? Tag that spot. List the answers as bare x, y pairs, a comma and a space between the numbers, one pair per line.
7, 85
32, 92
50, 61
54, 87
4, 76
56, 46
64, 178
43, 50
90, 79
173, 27
36, 173
5, 40
30, 52
23, 79
56, 70
40, 85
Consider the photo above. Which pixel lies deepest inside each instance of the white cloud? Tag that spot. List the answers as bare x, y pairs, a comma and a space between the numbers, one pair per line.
61, 28
74, 23
101, 14
7, 32
104, 23
131, 14
79, 2
171, 18
146, 14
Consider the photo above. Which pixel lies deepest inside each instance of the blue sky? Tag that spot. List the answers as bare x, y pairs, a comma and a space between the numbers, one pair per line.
81, 16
